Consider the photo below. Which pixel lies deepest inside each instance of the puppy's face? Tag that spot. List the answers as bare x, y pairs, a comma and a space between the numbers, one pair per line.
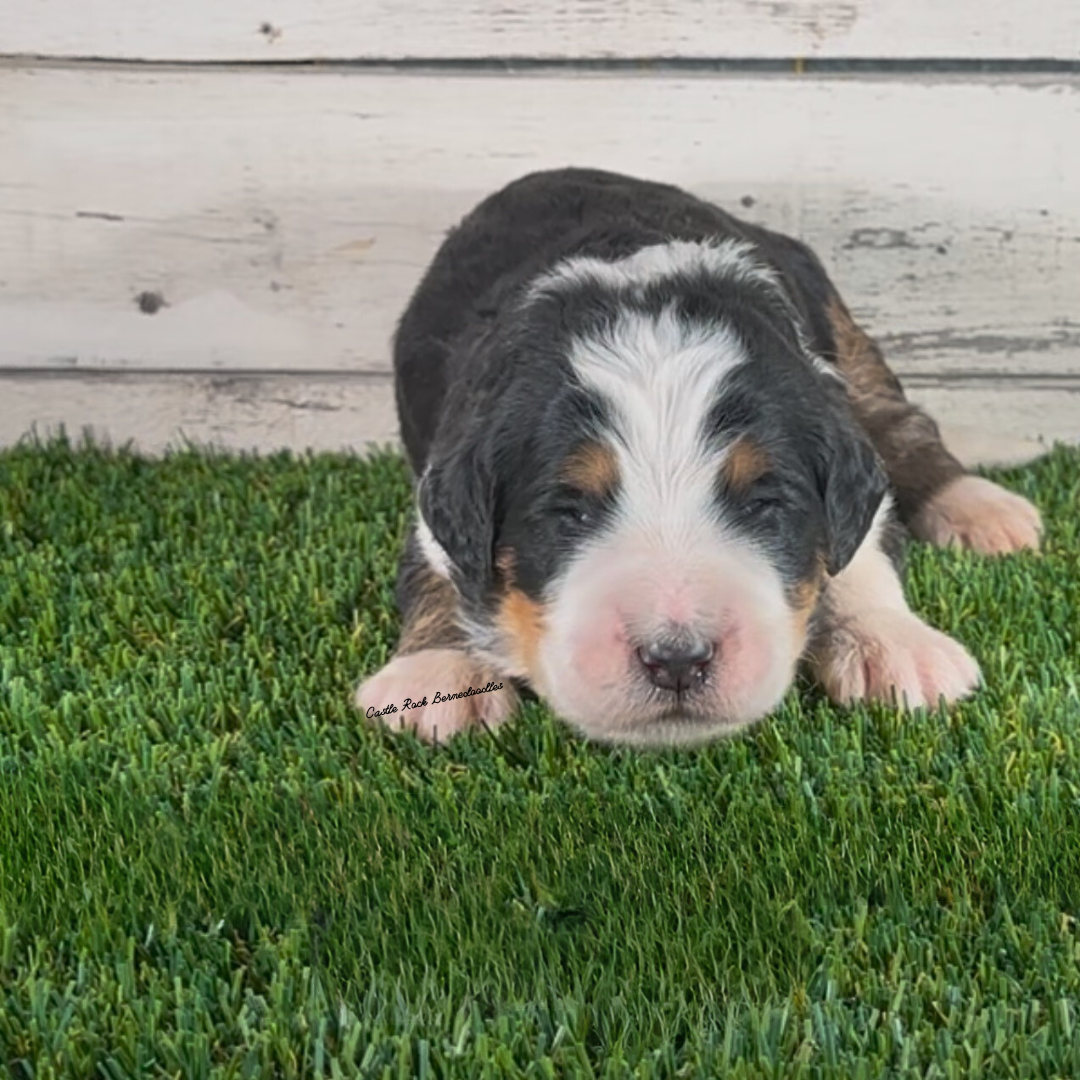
661, 523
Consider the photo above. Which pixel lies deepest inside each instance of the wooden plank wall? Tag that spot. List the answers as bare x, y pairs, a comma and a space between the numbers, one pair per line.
258, 31
205, 234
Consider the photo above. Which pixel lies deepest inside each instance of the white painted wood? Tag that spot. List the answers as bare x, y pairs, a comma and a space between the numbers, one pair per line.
259, 30
157, 411
997, 422
1002, 422
285, 218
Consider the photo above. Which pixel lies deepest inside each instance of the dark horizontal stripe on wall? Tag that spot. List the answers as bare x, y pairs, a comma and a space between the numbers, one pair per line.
673, 64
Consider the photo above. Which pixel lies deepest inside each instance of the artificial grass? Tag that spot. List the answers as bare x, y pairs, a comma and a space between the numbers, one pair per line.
210, 865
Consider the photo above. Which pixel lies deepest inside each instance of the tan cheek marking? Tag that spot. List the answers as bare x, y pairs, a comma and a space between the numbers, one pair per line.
804, 599
521, 621
743, 465
592, 468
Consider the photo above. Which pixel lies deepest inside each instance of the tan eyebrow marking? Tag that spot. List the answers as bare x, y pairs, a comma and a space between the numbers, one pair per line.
744, 464
592, 468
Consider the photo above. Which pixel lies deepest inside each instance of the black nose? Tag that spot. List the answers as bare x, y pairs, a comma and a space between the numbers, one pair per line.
676, 665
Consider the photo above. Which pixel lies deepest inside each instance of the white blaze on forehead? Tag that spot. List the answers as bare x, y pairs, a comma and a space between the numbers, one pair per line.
661, 375
732, 260
727, 260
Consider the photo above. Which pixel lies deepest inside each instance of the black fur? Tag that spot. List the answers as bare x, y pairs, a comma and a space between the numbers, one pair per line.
488, 400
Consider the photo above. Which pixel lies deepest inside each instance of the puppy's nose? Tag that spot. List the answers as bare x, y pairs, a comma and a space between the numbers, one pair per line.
676, 665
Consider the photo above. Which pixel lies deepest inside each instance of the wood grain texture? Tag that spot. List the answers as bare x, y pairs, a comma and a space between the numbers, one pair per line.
283, 219
156, 411
990, 421
256, 30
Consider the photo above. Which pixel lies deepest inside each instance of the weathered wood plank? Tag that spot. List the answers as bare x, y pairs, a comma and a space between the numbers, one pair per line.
284, 218
231, 411
353, 29
985, 421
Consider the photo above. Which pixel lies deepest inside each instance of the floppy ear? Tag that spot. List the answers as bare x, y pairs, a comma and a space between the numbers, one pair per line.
457, 499
853, 482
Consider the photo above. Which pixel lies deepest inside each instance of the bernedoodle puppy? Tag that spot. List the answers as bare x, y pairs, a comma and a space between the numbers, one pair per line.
659, 467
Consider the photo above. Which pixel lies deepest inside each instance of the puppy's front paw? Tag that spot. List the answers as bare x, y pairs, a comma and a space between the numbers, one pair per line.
894, 657
975, 513
420, 686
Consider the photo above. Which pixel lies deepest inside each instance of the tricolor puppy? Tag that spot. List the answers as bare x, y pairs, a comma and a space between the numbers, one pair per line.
659, 466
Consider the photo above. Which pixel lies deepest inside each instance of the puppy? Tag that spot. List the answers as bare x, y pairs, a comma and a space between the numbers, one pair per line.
659, 466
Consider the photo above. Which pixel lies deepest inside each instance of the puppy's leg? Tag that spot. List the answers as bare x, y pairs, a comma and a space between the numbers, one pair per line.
868, 645
936, 498
431, 660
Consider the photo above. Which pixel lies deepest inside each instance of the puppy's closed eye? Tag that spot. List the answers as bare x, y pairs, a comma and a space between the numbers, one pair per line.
763, 498
575, 507
768, 501
766, 498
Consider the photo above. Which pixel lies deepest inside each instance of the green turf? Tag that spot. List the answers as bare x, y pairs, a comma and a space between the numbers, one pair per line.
210, 867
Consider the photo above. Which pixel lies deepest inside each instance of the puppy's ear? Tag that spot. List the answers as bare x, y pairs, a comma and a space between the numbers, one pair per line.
853, 483
457, 498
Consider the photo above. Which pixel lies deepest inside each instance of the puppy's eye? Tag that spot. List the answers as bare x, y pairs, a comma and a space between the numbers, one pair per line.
765, 498
762, 504
575, 508
576, 515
